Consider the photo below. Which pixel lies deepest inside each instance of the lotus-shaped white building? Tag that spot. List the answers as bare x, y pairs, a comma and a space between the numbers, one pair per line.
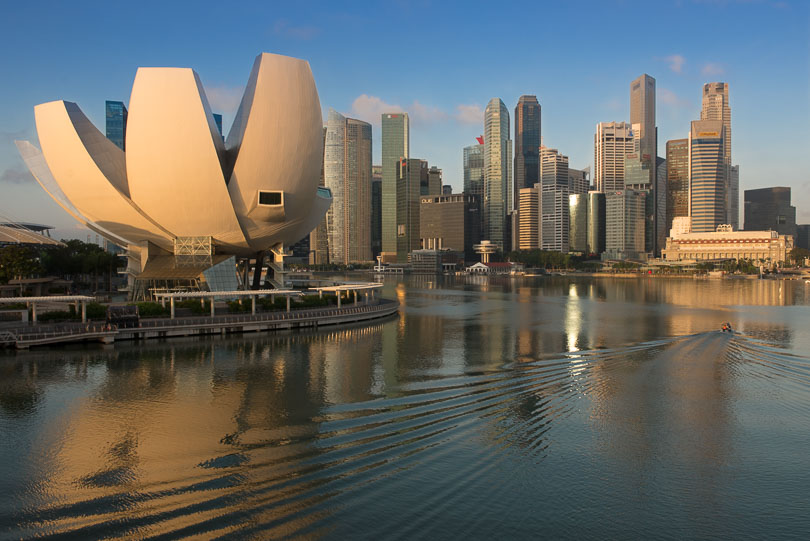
178, 180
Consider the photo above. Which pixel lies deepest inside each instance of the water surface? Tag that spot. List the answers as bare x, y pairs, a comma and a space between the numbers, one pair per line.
546, 407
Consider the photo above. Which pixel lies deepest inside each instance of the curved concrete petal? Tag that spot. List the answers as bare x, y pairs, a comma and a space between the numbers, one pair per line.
277, 139
63, 132
35, 161
175, 155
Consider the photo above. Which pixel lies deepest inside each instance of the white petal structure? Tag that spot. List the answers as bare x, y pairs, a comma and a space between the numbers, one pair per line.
177, 178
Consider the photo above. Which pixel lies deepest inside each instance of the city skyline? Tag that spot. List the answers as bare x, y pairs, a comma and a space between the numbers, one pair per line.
447, 114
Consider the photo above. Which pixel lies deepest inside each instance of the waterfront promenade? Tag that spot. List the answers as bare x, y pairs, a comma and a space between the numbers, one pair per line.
23, 337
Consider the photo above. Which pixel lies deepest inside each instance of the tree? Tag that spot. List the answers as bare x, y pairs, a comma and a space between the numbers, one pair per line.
18, 262
798, 255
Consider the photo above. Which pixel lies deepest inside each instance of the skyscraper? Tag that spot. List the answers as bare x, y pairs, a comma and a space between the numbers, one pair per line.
318, 239
497, 173
347, 172
715, 106
612, 142
596, 222
642, 113
116, 114
770, 209
218, 122
527, 142
624, 224
410, 172
677, 180
578, 222
450, 222
554, 200
376, 210
434, 181
529, 218
395, 144
707, 201
578, 181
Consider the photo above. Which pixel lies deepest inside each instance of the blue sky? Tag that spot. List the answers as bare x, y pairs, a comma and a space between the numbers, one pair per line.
440, 61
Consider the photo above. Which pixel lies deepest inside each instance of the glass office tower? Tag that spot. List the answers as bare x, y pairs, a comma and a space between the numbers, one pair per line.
527, 142
116, 114
497, 173
395, 140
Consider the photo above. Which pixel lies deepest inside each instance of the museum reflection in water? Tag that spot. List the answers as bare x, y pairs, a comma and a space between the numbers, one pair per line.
162, 416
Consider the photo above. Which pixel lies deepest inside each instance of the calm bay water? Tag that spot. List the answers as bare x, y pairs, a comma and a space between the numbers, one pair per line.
550, 407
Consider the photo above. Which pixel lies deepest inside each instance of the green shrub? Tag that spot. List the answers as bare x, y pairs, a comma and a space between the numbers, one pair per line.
13, 306
314, 301
151, 309
266, 304
195, 306
56, 316
96, 310
235, 308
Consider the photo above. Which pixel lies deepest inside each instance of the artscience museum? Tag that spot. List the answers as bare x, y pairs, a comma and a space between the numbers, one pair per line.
180, 198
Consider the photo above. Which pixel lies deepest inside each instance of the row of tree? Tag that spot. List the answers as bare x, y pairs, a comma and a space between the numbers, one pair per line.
76, 260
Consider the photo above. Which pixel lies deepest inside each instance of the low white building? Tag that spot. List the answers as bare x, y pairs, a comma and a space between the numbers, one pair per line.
725, 243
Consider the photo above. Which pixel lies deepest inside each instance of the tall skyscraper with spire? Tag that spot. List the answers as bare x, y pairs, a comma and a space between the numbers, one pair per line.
527, 143
395, 142
716, 107
642, 119
498, 195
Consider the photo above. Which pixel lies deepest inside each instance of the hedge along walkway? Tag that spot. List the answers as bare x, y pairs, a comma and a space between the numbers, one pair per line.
31, 302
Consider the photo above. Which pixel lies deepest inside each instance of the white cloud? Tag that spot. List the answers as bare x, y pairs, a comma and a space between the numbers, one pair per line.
676, 62
224, 100
710, 69
370, 108
668, 97
423, 114
470, 114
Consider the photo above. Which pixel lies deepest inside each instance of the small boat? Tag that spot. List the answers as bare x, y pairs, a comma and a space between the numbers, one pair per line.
726, 327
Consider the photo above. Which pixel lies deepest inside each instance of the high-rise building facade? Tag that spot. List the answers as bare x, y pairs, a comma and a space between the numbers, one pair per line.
434, 181
376, 210
410, 172
116, 113
802, 236
677, 180
527, 142
529, 218
596, 222
578, 222
554, 200
498, 197
770, 209
395, 145
612, 142
642, 118
579, 180
318, 239
624, 224
218, 122
347, 173
450, 222
715, 106
707, 189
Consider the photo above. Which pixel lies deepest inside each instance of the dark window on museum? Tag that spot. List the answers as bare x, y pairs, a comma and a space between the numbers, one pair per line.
269, 198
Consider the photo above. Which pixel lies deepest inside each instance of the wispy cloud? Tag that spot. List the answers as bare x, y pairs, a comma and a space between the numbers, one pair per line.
224, 99
426, 114
668, 97
16, 175
470, 114
285, 29
370, 108
711, 68
675, 62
